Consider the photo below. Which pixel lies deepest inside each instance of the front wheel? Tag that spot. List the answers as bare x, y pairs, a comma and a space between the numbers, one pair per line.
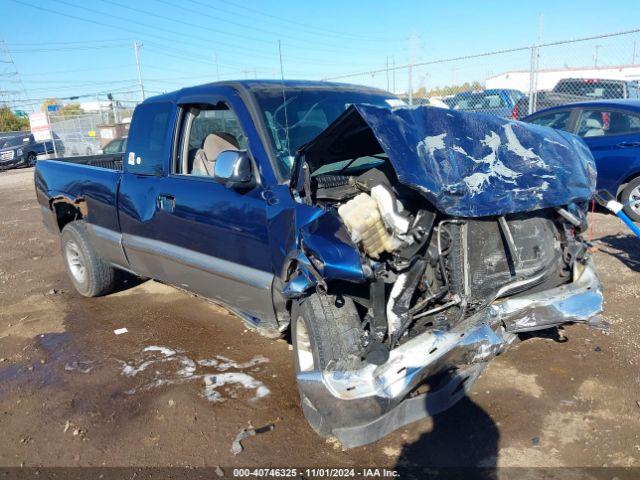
90, 275
631, 199
31, 159
326, 333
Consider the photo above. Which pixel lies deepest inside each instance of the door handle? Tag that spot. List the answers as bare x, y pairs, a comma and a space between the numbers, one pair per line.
629, 144
166, 202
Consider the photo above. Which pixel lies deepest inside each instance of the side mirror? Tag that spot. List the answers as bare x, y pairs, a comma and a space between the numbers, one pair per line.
233, 169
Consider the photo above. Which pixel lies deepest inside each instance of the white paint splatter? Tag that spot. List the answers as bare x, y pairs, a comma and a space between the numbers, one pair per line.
477, 181
514, 145
556, 143
459, 149
431, 144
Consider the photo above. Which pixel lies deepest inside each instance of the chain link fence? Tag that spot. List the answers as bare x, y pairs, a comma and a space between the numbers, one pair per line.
88, 133
518, 81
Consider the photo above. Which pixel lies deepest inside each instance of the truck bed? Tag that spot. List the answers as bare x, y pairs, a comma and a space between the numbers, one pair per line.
109, 161
94, 179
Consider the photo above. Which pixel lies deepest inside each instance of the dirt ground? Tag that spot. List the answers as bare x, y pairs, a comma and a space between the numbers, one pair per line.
74, 393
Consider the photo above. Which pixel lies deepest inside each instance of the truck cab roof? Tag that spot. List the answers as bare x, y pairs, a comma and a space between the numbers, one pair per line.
247, 86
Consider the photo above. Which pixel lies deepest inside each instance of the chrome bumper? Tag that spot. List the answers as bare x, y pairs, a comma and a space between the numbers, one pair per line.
360, 406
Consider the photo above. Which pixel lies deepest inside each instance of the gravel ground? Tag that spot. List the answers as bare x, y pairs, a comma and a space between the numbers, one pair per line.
72, 393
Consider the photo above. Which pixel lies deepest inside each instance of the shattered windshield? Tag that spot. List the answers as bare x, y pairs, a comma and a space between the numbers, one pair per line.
296, 117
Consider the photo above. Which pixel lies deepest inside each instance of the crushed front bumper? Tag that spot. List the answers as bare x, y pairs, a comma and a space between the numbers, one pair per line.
361, 406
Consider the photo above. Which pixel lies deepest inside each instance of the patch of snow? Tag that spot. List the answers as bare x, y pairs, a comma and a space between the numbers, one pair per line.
213, 382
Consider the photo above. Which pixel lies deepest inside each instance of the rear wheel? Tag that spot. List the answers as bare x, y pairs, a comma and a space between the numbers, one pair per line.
326, 335
631, 199
90, 275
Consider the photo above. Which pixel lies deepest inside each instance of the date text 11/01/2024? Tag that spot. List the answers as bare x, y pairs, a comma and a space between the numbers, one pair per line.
316, 472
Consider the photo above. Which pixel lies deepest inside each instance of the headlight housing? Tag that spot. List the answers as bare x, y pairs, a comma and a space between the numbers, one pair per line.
19, 152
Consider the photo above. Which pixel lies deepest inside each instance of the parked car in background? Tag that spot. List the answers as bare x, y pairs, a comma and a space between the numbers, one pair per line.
611, 130
497, 101
78, 144
22, 150
118, 145
572, 90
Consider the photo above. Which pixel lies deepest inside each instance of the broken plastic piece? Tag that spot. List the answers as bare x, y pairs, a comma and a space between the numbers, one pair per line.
120, 331
363, 220
390, 209
236, 446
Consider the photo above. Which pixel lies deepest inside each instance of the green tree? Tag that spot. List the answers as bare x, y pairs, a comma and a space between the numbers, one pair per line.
9, 122
71, 109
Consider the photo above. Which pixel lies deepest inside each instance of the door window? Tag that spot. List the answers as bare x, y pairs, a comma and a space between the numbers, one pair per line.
206, 131
557, 119
598, 123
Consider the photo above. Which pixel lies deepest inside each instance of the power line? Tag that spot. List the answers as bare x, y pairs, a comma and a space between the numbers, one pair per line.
321, 31
209, 29
76, 42
66, 49
484, 54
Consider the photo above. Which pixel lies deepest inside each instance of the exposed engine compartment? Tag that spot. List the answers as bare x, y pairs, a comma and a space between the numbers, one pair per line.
426, 268
429, 271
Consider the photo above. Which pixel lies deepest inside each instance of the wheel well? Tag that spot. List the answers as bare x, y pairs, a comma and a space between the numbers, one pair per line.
66, 213
624, 183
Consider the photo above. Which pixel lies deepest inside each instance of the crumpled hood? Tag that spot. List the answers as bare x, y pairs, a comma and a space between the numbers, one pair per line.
466, 164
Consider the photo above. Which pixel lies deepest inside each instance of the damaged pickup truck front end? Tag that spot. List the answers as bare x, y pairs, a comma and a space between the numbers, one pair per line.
449, 234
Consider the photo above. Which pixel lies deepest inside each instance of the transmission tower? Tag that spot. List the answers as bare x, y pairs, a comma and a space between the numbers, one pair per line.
13, 93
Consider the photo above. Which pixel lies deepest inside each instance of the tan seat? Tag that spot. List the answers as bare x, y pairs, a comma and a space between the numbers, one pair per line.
213, 145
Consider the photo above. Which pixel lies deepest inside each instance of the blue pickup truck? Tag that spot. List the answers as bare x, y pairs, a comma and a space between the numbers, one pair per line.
400, 248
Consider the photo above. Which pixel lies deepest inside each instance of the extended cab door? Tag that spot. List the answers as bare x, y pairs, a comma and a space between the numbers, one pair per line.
181, 226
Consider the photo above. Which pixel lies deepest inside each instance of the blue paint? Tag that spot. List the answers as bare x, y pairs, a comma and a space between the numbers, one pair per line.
465, 164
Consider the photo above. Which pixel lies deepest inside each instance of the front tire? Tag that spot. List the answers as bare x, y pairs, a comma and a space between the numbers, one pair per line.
31, 159
631, 194
326, 333
90, 275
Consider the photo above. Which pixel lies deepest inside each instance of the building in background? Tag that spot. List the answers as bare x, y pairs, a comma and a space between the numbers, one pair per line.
547, 79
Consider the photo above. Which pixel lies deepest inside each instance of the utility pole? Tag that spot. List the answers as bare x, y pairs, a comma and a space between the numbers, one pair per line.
387, 73
393, 72
595, 54
633, 55
215, 59
410, 84
136, 49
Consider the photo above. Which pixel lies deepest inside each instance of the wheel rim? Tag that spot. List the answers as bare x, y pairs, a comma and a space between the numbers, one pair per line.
75, 261
634, 200
31, 159
303, 344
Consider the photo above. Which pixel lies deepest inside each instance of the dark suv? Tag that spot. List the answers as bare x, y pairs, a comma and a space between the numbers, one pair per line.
22, 150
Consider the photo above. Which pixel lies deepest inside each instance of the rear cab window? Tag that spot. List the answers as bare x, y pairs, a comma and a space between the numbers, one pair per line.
150, 142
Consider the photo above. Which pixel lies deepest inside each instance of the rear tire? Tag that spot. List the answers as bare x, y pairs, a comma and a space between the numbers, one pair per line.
90, 275
631, 193
326, 334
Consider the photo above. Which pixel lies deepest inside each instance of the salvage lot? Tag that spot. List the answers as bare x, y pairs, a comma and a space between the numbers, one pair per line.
187, 377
